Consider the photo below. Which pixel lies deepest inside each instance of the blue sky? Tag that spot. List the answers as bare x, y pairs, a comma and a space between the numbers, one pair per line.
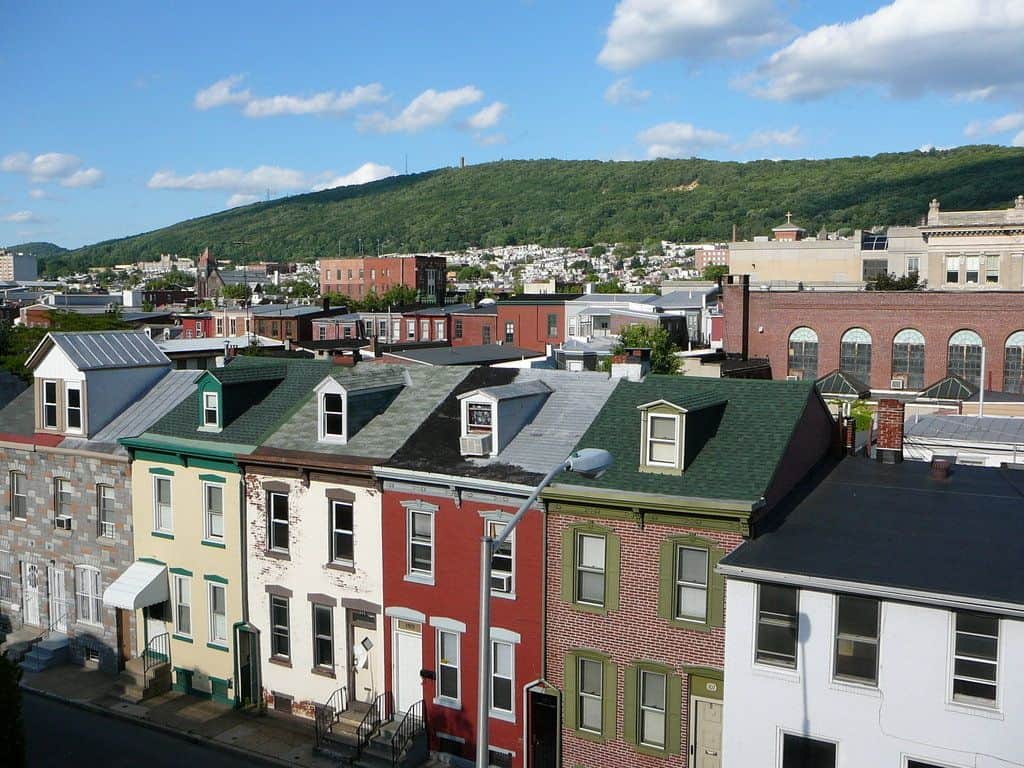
121, 120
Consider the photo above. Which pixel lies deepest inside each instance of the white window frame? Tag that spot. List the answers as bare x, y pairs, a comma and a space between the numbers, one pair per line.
88, 595
419, 573
17, 481
477, 406
439, 330
276, 629
180, 606
683, 584
768, 663
60, 505
54, 405
316, 636
836, 639
211, 588
581, 694
492, 528
211, 402
68, 408
105, 526
335, 530
509, 713
456, 665
578, 568
208, 533
972, 701
322, 413
272, 522
158, 521
6, 575
662, 441
643, 708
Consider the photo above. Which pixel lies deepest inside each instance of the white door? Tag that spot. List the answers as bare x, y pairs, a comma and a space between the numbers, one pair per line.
407, 663
30, 591
59, 607
363, 644
707, 734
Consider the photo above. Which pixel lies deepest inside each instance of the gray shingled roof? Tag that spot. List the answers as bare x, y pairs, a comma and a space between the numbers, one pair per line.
10, 387
107, 349
975, 429
513, 390
481, 354
18, 417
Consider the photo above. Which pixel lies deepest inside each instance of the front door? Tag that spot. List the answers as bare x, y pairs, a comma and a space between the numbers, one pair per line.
408, 661
247, 673
124, 637
58, 599
707, 730
362, 639
30, 591
543, 730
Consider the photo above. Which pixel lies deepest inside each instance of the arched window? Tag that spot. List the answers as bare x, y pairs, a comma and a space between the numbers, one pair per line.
965, 356
855, 354
1013, 363
803, 354
908, 358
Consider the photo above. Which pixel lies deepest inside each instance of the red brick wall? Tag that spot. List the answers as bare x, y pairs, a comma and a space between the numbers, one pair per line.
890, 424
531, 324
378, 274
632, 633
993, 315
472, 330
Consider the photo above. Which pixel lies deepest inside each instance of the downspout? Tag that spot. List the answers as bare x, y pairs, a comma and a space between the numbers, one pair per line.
243, 540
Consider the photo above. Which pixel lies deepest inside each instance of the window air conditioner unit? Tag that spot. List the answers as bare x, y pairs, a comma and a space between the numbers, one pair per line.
199, 332
63, 522
792, 377
501, 582
896, 384
475, 445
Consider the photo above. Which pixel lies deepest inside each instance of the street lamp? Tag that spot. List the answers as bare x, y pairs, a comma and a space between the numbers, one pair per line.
589, 462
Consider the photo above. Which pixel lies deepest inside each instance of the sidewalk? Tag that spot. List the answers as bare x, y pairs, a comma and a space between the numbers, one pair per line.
274, 738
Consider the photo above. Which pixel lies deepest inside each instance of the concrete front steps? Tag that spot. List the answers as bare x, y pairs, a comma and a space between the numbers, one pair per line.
133, 683
51, 652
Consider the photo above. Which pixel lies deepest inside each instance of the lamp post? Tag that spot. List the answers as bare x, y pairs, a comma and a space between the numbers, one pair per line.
589, 462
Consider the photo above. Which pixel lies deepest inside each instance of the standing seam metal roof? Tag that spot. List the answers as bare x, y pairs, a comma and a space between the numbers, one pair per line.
109, 349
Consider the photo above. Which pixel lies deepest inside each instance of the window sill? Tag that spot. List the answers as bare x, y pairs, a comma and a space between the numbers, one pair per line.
991, 712
597, 738
777, 673
162, 535
323, 672
61, 532
649, 749
508, 717
448, 703
417, 578
214, 544
696, 626
91, 624
182, 638
587, 608
504, 595
276, 554
344, 567
218, 647
852, 686
280, 661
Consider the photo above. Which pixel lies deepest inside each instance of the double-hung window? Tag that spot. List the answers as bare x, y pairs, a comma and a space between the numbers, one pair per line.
651, 700
777, 624
458, 328
218, 615
552, 326
182, 586
73, 407
510, 332
342, 540
972, 266
590, 707
590, 568
280, 634
421, 542
277, 507
323, 636
50, 420
502, 563
856, 639
662, 442
19, 496
952, 269
691, 603
501, 676
410, 329
163, 516
6, 568
61, 497
479, 417
333, 405
976, 658
88, 594
448, 664
805, 752
991, 269
213, 499
485, 335
439, 330
105, 510
211, 410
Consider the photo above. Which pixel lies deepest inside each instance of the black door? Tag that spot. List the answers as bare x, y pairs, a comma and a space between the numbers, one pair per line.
543, 730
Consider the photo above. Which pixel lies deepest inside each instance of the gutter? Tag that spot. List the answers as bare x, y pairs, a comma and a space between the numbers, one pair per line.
37, 448
654, 501
902, 594
434, 478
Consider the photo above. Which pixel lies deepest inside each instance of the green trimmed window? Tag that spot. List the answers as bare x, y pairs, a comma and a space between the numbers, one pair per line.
652, 700
590, 695
590, 567
690, 593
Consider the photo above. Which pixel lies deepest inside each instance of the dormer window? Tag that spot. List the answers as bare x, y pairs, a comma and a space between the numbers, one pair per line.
662, 440
672, 433
73, 407
211, 410
333, 418
50, 405
478, 417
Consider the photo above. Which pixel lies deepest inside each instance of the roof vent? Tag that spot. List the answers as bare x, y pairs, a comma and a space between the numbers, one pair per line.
941, 468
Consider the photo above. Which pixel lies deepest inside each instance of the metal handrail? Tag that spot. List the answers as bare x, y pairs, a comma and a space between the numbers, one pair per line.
412, 724
156, 653
327, 714
380, 711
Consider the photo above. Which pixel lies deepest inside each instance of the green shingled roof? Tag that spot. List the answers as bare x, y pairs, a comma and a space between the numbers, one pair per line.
737, 462
262, 414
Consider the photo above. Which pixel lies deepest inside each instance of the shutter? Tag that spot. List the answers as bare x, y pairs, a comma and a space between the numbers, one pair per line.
666, 580
630, 696
609, 699
569, 694
716, 590
673, 714
568, 576
611, 585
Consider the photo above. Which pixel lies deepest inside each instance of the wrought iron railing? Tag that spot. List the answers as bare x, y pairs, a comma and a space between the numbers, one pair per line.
326, 715
157, 653
413, 723
380, 711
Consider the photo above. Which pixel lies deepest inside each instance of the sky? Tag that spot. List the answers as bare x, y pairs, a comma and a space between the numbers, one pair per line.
122, 118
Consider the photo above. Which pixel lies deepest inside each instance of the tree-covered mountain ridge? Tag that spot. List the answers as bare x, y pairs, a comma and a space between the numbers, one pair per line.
581, 202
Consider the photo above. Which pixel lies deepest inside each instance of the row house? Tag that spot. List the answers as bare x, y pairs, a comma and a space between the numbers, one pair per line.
294, 323
67, 533
533, 322
189, 580
463, 474
402, 325
634, 624
313, 534
881, 622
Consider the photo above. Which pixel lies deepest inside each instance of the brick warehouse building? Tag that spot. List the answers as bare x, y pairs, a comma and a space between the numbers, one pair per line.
358, 277
915, 336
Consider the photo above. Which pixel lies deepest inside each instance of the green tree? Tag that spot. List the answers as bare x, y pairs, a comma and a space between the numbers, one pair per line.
581, 264
469, 273
611, 286
12, 725
300, 289
714, 271
597, 251
237, 291
663, 350
890, 282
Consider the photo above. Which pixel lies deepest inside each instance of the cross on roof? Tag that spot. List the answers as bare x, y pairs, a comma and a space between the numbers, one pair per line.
789, 217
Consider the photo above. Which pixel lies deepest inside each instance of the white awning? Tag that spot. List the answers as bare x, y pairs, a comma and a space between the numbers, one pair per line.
141, 585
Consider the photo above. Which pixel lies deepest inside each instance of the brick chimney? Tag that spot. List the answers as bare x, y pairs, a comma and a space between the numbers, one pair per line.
889, 446
633, 365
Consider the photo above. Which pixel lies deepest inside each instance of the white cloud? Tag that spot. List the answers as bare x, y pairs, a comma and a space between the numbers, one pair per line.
20, 217
241, 198
87, 177
49, 167
364, 174
38, 194
488, 117
1018, 140
233, 179
774, 138
222, 93
622, 93
1013, 121
965, 48
678, 139
642, 31
428, 109
491, 139
328, 102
